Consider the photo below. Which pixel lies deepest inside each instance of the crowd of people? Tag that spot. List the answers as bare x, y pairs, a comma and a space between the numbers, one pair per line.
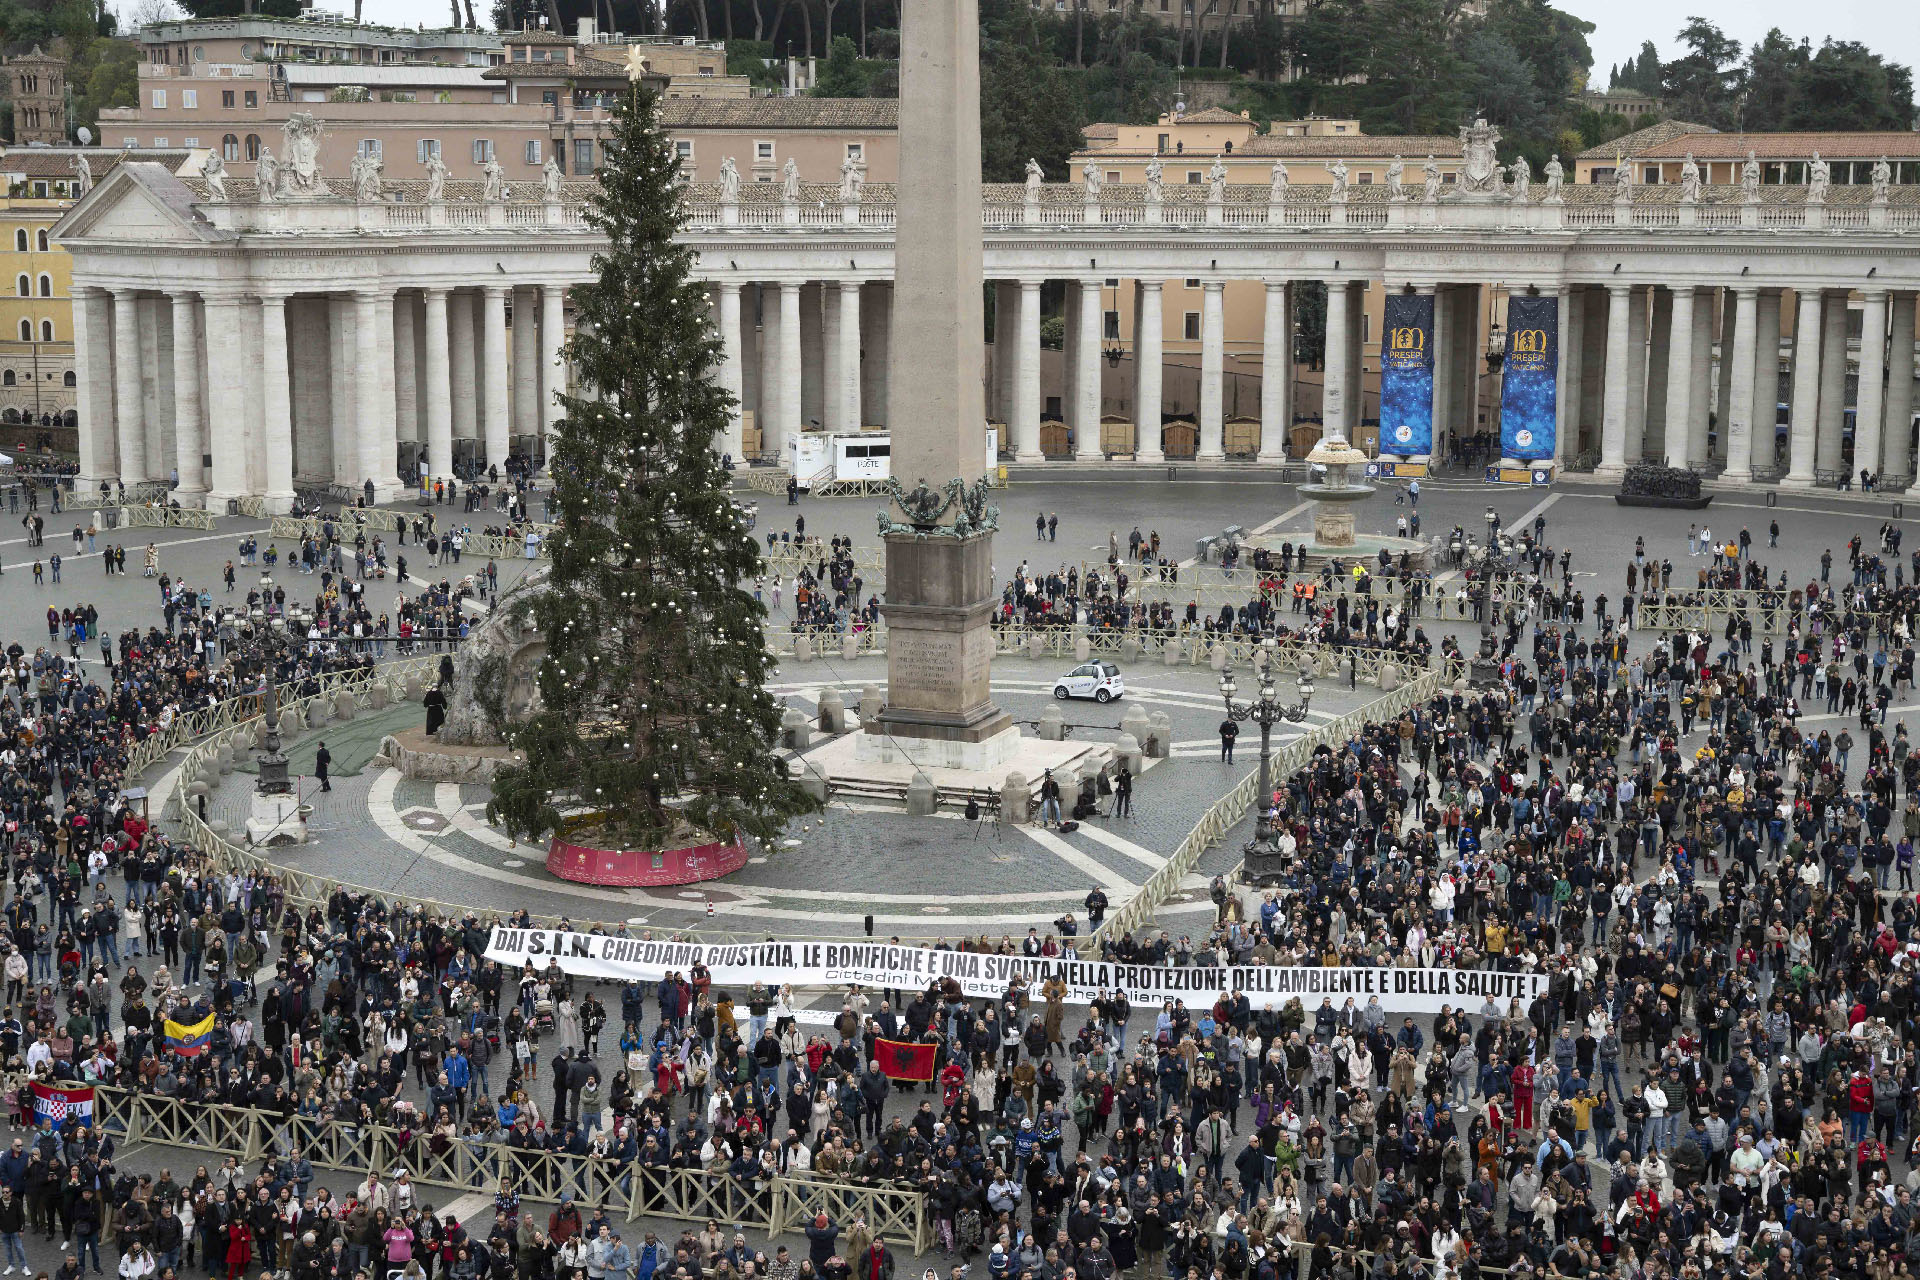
1713, 874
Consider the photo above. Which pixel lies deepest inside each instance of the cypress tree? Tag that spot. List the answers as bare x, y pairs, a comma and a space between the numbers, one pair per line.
655, 710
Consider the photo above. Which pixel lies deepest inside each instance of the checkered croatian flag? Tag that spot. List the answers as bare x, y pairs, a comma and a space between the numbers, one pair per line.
54, 1104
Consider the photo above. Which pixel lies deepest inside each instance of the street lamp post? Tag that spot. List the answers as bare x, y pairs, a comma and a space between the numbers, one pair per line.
1261, 853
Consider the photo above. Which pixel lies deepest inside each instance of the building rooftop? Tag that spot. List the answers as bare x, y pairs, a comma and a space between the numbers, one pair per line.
19, 163
395, 77
1637, 142
1902, 144
1346, 146
582, 67
1210, 115
780, 113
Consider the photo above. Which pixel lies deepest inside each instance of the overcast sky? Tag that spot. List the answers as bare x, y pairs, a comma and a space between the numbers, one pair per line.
1889, 27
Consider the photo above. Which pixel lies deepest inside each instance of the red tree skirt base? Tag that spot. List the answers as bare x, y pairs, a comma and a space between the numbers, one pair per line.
627, 868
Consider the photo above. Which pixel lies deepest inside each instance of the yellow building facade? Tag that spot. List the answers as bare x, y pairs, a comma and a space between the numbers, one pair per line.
37, 382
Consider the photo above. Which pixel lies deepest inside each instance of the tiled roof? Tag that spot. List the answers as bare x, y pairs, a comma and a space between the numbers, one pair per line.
1904, 144
1335, 148
781, 113
1213, 115
535, 37
44, 162
1637, 142
581, 68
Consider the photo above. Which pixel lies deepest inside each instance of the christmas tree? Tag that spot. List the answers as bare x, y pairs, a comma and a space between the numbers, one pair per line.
655, 713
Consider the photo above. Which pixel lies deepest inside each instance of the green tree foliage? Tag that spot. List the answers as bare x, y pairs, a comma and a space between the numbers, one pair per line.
1704, 84
1641, 74
1501, 83
654, 680
845, 74
106, 75
1029, 106
1847, 86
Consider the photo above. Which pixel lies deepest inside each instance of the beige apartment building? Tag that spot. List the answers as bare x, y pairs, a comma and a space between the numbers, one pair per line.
518, 98
1185, 147
1659, 152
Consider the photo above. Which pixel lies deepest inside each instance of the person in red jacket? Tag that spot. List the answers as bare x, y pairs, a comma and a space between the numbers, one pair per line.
1523, 1095
239, 1249
1859, 1106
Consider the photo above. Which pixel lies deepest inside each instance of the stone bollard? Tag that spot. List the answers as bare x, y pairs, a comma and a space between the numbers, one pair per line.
1129, 649
833, 712
921, 797
1389, 677
794, 731
1053, 725
1219, 659
814, 782
1163, 734
1170, 651
316, 713
849, 647
219, 828
377, 697
1329, 665
1016, 798
1126, 751
196, 789
344, 707
1082, 648
417, 687
1136, 723
1036, 647
871, 704
223, 758
290, 723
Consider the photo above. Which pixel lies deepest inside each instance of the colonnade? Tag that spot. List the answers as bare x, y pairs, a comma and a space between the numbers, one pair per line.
251, 391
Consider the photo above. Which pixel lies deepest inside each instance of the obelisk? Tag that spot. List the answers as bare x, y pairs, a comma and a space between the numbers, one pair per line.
938, 529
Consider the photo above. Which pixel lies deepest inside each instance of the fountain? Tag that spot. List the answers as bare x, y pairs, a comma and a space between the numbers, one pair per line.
1334, 494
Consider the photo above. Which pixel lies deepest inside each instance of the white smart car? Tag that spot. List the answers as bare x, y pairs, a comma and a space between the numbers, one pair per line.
1100, 681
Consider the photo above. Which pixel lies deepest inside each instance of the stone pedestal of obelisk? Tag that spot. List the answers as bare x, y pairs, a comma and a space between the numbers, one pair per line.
940, 590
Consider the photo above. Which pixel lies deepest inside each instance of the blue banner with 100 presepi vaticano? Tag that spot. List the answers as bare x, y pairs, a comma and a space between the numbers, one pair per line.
1528, 373
1406, 376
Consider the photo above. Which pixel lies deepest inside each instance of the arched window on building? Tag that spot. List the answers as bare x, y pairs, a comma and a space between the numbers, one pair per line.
46, 285
43, 239
26, 331
7, 379
23, 287
230, 147
46, 331
68, 380
253, 146
20, 240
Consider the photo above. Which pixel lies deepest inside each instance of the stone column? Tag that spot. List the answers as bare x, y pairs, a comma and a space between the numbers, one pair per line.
1766, 380
1276, 374
93, 378
811, 383
1000, 377
343, 441
1149, 368
1468, 301
1613, 426
1724, 399
439, 374
1740, 411
1896, 457
189, 432
553, 358
731, 370
1636, 374
1213, 357
526, 361
786, 422
1677, 412
847, 373
876, 343
1805, 410
226, 398
156, 409
767, 409
1026, 379
1699, 449
276, 398
1830, 442
406, 387
1660, 339
1593, 368
1070, 356
1086, 431
1573, 324
1563, 307
373, 416
1356, 355
833, 399
466, 396
129, 420
1870, 398
1333, 391
495, 375
1443, 371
